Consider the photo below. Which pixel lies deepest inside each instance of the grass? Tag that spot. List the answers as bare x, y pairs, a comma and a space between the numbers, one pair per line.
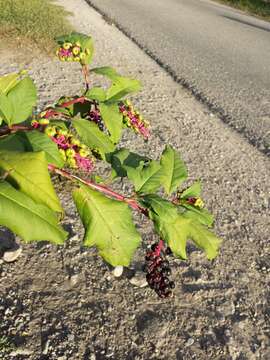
32, 23
5, 345
259, 8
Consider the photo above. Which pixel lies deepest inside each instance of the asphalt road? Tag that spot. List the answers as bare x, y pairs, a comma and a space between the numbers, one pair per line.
220, 54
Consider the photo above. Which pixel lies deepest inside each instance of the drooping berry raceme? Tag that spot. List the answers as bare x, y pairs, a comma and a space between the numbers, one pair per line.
133, 119
72, 52
158, 270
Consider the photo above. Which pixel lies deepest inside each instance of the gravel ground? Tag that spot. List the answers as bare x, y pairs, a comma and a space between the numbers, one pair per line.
63, 303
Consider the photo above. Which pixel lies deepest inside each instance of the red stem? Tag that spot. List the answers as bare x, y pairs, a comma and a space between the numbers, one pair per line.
101, 188
14, 128
81, 100
159, 247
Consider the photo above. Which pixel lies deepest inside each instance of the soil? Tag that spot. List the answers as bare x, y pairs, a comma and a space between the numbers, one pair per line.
63, 303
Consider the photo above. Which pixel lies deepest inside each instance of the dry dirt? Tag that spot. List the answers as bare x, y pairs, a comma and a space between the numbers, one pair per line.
63, 303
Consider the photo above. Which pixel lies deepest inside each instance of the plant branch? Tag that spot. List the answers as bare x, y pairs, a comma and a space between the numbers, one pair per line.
14, 128
85, 70
101, 188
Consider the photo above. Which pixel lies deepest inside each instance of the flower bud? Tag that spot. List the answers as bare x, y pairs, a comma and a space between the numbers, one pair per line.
70, 153
50, 131
76, 50
62, 154
67, 45
84, 153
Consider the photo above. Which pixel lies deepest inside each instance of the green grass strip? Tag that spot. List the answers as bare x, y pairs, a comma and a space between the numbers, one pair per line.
36, 22
256, 7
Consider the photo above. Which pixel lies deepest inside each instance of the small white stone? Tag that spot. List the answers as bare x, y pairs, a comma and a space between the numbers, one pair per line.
190, 342
12, 255
139, 280
118, 271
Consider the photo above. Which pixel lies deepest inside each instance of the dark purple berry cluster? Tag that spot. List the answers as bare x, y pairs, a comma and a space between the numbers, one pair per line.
158, 270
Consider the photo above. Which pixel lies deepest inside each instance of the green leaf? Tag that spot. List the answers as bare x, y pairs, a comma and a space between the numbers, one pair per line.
122, 87
96, 93
23, 98
107, 71
7, 82
31, 221
112, 119
193, 191
121, 158
108, 226
201, 215
93, 137
29, 173
173, 169
6, 108
176, 228
37, 141
146, 178
12, 142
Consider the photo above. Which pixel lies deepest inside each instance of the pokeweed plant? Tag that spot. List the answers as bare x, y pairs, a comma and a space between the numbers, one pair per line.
76, 132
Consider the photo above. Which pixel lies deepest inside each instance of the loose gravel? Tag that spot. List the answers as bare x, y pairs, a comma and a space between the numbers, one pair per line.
64, 303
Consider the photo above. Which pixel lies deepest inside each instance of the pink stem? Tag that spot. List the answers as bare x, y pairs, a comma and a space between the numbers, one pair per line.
101, 188
160, 247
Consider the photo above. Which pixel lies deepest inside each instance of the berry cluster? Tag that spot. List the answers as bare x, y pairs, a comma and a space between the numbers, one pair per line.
72, 52
75, 154
133, 119
158, 270
197, 202
95, 116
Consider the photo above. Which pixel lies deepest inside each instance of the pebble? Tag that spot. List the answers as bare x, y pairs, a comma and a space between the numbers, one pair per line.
13, 254
21, 352
139, 280
118, 271
190, 342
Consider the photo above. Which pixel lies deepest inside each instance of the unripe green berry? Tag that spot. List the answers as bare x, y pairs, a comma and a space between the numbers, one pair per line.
70, 153
44, 121
67, 45
75, 142
84, 153
50, 131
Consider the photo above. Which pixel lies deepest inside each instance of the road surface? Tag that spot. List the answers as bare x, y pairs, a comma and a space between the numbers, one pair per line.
220, 54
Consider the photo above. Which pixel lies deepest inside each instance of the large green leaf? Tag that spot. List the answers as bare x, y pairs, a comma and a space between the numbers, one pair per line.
192, 191
108, 226
7, 82
93, 137
201, 215
6, 108
176, 228
12, 142
146, 178
113, 120
29, 173
122, 87
37, 141
107, 71
121, 158
31, 221
96, 93
23, 98
173, 169
33, 141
